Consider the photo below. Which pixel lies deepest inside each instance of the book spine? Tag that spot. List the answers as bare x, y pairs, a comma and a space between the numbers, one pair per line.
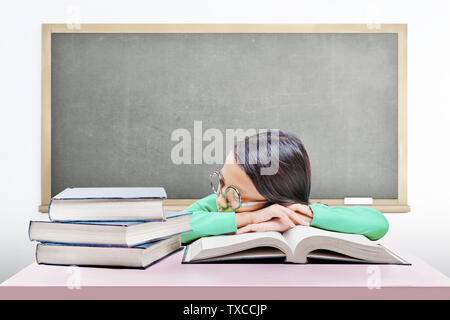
49, 206
29, 228
183, 260
36, 253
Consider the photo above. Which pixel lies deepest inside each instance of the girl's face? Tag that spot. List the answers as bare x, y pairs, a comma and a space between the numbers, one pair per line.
234, 175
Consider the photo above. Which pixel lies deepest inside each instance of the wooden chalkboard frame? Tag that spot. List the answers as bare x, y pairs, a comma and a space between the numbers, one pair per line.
398, 205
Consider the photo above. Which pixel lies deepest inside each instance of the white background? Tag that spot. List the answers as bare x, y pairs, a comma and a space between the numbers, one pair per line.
425, 231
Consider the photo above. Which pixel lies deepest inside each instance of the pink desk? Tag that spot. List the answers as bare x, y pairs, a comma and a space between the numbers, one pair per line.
169, 279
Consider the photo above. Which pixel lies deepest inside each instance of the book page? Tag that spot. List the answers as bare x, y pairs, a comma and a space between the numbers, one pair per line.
215, 246
295, 235
250, 254
227, 240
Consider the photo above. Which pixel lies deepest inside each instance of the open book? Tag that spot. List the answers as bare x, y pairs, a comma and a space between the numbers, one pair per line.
297, 245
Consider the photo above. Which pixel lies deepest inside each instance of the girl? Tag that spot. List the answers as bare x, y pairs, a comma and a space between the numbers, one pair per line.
244, 200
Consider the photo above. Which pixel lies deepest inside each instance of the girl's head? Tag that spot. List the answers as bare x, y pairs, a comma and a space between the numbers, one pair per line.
244, 167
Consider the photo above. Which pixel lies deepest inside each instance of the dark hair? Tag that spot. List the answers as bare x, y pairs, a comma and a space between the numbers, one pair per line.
291, 183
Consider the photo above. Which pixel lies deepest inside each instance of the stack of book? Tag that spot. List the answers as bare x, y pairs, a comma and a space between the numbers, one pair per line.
111, 227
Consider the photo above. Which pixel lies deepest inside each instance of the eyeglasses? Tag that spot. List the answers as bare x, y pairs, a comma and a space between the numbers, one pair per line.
231, 195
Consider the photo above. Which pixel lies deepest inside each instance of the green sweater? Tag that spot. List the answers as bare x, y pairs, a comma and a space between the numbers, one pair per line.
206, 220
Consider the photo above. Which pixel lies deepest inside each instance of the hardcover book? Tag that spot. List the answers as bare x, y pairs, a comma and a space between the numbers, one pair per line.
108, 204
107, 256
118, 233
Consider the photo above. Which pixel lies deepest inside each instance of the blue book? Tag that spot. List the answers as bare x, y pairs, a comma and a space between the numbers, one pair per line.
107, 256
110, 233
108, 204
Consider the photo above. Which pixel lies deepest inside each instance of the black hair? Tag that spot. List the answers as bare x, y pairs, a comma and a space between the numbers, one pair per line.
291, 183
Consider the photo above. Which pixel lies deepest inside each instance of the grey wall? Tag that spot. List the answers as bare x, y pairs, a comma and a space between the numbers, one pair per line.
116, 99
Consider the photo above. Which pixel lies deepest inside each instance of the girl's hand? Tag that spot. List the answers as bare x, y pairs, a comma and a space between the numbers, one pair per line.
272, 225
277, 218
304, 214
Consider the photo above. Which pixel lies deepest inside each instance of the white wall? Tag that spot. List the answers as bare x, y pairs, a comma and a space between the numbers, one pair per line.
425, 231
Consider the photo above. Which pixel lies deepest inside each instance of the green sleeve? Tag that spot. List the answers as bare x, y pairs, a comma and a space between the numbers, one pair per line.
357, 219
206, 220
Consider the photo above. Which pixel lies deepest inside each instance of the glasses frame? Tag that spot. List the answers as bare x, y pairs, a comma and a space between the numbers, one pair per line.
218, 192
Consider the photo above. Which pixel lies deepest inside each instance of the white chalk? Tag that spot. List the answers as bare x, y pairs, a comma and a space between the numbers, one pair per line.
358, 200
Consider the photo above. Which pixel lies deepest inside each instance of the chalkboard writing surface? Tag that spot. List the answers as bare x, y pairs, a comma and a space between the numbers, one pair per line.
117, 99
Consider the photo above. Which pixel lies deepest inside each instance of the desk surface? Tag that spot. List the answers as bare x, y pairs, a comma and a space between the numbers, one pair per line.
169, 279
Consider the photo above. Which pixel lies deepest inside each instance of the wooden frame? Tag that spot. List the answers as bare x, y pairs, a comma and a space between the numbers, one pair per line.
384, 205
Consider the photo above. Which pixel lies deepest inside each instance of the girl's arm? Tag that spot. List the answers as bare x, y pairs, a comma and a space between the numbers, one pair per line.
357, 219
207, 221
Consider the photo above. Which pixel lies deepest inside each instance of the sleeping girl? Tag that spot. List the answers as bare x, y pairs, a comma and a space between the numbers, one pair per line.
245, 200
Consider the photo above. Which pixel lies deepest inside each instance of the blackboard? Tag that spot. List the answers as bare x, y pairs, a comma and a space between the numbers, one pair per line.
117, 99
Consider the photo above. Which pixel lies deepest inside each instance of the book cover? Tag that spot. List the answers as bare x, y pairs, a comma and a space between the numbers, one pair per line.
108, 204
68, 232
111, 193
